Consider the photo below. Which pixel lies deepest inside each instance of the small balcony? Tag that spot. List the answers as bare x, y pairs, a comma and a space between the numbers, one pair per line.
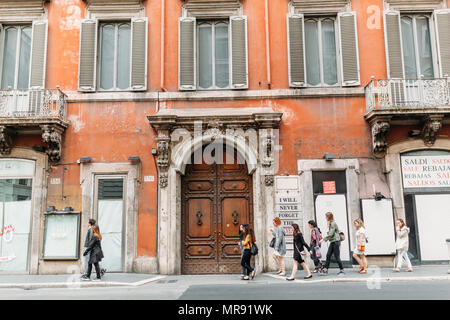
423, 102
33, 111
407, 94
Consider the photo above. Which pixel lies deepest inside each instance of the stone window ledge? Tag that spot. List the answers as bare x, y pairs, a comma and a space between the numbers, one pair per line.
74, 96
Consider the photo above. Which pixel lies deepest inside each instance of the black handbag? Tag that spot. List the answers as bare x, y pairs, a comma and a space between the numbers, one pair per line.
272, 243
254, 249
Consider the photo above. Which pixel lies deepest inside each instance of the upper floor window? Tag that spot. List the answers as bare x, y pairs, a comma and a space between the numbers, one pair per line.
323, 50
16, 57
321, 55
417, 51
213, 57
213, 53
115, 49
113, 55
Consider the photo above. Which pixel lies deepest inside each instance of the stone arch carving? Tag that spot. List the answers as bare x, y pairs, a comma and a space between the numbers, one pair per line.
183, 153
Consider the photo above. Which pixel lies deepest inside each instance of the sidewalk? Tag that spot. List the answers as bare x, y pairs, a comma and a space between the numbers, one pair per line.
73, 280
28, 282
420, 273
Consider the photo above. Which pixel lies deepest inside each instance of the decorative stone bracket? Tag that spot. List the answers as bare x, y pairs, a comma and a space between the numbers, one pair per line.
380, 129
52, 135
431, 126
163, 148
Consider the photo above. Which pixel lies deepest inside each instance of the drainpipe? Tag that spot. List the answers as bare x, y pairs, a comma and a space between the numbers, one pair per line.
266, 20
163, 13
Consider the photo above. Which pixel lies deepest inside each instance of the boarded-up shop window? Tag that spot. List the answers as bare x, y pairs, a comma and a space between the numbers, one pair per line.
62, 233
110, 221
15, 215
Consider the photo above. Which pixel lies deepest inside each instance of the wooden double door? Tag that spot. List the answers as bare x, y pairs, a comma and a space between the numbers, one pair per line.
216, 200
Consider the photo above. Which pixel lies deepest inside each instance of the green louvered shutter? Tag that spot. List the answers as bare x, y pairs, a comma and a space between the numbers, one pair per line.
139, 27
348, 39
38, 54
239, 63
393, 42
296, 50
88, 55
187, 54
442, 19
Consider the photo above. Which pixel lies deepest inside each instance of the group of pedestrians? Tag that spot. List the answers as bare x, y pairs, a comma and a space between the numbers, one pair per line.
93, 253
300, 247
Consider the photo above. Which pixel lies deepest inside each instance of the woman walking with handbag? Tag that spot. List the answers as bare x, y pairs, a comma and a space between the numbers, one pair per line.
360, 246
402, 245
95, 248
299, 245
247, 243
316, 236
334, 237
279, 245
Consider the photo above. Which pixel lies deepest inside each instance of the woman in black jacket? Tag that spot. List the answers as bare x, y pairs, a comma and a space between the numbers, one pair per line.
95, 248
299, 245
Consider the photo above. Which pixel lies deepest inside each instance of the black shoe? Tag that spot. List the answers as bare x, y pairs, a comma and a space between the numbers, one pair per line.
97, 279
85, 278
290, 279
341, 273
310, 276
103, 271
324, 272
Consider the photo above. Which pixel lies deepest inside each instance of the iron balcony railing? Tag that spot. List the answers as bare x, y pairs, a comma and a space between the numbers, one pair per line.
407, 93
33, 104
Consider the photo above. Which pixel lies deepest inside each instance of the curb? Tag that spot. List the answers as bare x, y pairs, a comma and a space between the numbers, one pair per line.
77, 284
371, 279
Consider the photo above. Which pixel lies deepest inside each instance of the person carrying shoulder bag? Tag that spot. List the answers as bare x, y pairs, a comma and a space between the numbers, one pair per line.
335, 238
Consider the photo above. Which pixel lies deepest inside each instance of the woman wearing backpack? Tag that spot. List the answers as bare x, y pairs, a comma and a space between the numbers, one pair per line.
280, 245
335, 243
316, 236
299, 245
360, 246
247, 243
402, 245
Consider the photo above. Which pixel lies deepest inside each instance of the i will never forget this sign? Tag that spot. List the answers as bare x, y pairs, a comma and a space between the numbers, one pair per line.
287, 203
426, 171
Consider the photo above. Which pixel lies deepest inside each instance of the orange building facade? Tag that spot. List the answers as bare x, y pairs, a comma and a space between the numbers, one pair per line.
325, 105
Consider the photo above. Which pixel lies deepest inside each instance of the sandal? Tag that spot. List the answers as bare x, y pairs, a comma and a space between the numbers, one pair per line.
364, 271
409, 270
290, 279
253, 274
396, 270
246, 278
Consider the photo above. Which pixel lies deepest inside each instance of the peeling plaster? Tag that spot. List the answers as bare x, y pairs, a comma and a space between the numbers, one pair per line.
71, 17
76, 123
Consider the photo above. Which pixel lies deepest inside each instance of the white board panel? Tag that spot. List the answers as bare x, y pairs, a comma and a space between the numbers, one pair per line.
379, 222
110, 220
433, 221
337, 205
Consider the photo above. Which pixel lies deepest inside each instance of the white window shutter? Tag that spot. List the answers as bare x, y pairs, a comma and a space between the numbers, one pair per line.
296, 49
139, 36
442, 20
393, 43
348, 38
87, 65
38, 54
239, 56
187, 66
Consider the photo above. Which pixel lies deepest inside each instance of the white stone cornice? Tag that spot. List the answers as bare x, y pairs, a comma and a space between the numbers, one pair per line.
12, 11
417, 5
211, 8
320, 6
114, 9
75, 96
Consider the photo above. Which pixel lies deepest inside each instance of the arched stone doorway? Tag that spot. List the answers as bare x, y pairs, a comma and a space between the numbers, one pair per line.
216, 198
251, 132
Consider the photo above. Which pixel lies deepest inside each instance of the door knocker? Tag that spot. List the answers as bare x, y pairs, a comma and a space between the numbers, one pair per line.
235, 215
199, 218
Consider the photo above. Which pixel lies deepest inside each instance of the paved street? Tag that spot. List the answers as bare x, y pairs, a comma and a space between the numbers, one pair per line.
267, 286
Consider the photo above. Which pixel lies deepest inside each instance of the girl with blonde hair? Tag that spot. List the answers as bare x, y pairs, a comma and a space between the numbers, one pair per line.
360, 249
